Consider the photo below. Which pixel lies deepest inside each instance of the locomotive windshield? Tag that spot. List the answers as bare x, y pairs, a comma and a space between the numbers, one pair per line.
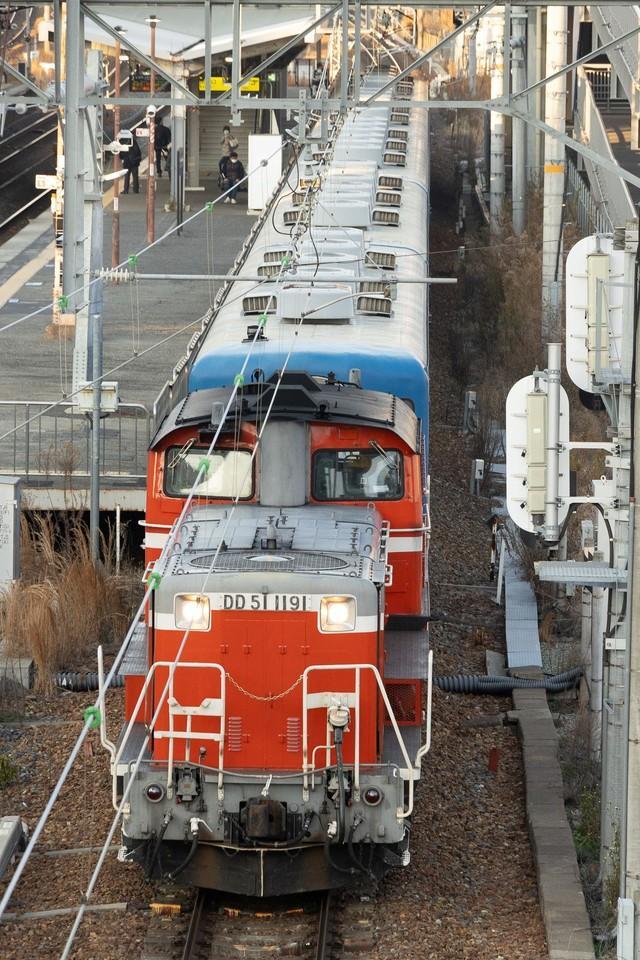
229, 474
357, 475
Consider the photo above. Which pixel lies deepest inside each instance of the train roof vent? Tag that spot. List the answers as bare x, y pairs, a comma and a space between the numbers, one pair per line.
395, 145
395, 159
274, 256
390, 217
400, 116
398, 134
384, 287
387, 198
376, 258
292, 217
267, 304
393, 183
375, 306
269, 270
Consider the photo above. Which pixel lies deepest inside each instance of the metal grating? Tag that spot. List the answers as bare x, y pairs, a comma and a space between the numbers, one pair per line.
396, 159
274, 256
568, 571
299, 562
385, 260
251, 305
135, 662
407, 654
392, 183
375, 306
390, 217
269, 270
388, 199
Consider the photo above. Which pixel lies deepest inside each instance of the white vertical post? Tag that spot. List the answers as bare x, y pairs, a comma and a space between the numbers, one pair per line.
554, 171
551, 527
497, 123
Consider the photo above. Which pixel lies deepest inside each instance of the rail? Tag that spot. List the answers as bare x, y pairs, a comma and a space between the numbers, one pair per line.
58, 443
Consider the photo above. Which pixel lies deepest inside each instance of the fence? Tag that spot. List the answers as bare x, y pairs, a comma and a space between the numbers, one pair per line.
57, 442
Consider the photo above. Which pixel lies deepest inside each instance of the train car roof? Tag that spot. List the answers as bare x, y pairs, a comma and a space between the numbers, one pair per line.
298, 397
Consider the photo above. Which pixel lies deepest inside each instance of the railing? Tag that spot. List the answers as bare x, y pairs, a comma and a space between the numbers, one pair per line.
592, 217
215, 707
49, 443
609, 192
611, 21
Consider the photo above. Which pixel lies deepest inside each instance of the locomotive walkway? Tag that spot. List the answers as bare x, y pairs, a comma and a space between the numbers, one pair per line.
36, 360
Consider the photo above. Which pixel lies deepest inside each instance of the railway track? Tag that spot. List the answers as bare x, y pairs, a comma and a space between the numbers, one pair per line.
321, 926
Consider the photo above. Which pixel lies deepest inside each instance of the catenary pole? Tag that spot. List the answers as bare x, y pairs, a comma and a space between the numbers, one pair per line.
497, 123
554, 172
518, 127
115, 222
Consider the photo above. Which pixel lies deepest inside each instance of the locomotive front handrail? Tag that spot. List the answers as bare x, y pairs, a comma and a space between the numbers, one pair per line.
171, 734
315, 700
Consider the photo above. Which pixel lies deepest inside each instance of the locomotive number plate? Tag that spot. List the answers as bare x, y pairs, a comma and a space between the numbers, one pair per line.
273, 602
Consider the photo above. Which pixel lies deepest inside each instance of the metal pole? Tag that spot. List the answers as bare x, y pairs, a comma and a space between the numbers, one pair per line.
73, 152
551, 527
554, 168
357, 49
497, 124
115, 222
95, 321
207, 51
236, 65
344, 58
57, 48
518, 127
152, 53
151, 181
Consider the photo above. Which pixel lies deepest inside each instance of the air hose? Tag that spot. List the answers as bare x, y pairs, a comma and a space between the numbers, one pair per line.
477, 683
79, 682
187, 860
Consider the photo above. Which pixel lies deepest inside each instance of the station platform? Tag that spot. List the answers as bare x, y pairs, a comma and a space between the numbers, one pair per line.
52, 452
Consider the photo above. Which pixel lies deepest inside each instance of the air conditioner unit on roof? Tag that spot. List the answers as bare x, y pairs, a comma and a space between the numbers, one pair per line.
324, 304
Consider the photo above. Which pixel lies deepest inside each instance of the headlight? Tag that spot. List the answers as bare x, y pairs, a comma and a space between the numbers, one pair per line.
192, 611
337, 614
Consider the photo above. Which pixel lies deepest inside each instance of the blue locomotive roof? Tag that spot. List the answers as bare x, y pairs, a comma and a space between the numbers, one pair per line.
394, 372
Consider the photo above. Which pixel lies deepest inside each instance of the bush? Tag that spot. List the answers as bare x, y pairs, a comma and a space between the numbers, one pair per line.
63, 606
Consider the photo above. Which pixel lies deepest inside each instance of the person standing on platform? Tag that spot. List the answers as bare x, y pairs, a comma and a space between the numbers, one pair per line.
161, 144
233, 172
228, 144
131, 161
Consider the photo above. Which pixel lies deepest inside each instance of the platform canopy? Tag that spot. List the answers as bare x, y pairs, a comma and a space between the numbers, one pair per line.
180, 30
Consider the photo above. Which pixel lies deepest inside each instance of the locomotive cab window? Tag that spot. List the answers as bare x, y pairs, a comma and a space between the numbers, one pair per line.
229, 474
371, 474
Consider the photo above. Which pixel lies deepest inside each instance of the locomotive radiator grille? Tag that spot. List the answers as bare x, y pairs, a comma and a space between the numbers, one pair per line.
295, 562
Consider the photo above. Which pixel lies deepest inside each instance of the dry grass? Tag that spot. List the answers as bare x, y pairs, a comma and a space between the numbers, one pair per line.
63, 607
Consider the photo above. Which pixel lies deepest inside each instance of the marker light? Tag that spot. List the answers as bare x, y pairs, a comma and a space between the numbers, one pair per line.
337, 614
372, 796
154, 792
192, 611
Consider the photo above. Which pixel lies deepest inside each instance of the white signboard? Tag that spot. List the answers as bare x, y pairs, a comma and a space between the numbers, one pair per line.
46, 181
594, 296
262, 182
142, 131
520, 433
9, 530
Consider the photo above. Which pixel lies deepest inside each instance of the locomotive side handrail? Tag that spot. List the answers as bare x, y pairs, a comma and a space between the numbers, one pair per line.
324, 699
210, 707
